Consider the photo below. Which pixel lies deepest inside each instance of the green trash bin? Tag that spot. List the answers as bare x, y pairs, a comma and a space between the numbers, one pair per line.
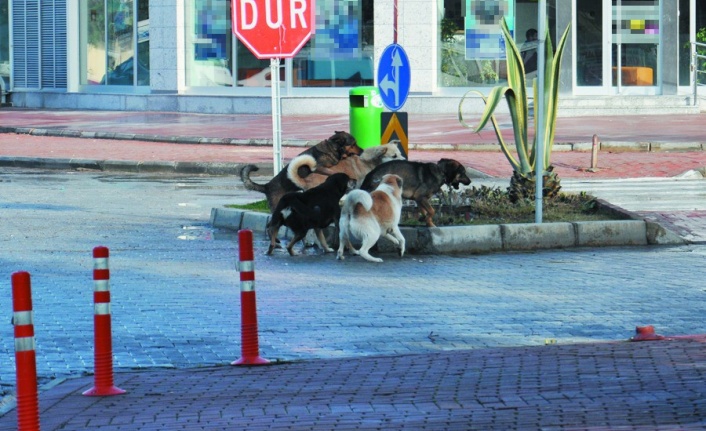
364, 115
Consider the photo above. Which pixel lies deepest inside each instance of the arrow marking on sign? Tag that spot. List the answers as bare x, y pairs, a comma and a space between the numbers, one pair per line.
393, 84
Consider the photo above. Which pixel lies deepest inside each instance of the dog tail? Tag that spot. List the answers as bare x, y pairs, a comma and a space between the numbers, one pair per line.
247, 182
356, 197
302, 161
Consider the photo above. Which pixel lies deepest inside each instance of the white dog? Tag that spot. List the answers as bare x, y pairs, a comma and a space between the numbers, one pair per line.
369, 216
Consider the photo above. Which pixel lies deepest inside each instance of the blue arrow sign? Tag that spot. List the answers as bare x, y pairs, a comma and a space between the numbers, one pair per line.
394, 77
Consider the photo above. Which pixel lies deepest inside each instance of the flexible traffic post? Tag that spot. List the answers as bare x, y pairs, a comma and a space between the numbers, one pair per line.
25, 354
250, 348
102, 338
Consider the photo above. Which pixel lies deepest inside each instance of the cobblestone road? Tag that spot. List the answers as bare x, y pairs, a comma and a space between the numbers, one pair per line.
176, 298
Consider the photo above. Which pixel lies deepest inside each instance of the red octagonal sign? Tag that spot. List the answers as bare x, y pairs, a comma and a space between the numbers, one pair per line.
273, 28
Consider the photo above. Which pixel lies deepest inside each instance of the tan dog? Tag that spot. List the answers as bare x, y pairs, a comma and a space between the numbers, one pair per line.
326, 153
369, 216
356, 167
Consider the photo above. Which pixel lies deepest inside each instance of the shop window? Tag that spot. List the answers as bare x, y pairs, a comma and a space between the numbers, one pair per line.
340, 54
117, 42
636, 30
472, 48
684, 42
209, 43
472, 51
4, 42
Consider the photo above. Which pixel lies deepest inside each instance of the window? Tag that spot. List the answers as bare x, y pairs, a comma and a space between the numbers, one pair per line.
4, 41
340, 54
39, 44
116, 35
471, 47
636, 30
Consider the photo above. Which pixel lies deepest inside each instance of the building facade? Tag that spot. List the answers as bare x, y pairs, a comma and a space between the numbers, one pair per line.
181, 55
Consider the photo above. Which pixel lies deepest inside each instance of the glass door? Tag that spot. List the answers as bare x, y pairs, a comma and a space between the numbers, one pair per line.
635, 46
617, 47
592, 39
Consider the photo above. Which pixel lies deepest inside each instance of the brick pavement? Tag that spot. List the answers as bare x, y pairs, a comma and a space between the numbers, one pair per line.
423, 129
568, 164
676, 143
601, 386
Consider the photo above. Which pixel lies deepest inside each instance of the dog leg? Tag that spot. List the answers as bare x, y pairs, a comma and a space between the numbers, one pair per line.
295, 239
272, 230
351, 247
400, 238
368, 242
392, 238
396, 238
342, 238
429, 210
343, 242
322, 240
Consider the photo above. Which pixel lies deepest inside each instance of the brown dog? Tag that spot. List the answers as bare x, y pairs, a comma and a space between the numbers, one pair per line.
326, 153
356, 167
421, 180
369, 216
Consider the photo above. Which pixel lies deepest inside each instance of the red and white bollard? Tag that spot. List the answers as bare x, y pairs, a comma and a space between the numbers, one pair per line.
250, 348
102, 338
25, 355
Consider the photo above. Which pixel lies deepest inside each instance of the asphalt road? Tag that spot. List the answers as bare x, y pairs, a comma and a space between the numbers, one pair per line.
176, 298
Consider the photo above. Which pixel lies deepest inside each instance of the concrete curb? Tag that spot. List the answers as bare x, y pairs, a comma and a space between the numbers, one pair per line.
193, 168
483, 239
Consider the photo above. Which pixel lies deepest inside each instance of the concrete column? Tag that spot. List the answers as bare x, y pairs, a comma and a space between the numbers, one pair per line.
417, 31
564, 17
166, 46
669, 43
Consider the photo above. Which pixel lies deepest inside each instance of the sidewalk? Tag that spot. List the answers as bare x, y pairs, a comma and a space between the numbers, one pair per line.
655, 385
631, 146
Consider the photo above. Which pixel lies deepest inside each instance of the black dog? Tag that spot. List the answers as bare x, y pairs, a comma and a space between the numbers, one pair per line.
421, 180
315, 209
326, 153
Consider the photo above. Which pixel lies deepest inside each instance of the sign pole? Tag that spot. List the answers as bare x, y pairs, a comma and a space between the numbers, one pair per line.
252, 24
276, 116
394, 24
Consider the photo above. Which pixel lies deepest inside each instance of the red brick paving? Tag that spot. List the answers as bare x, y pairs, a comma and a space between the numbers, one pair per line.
652, 385
568, 164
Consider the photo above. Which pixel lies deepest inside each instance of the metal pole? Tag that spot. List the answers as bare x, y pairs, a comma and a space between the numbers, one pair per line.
539, 111
276, 117
619, 48
394, 24
694, 71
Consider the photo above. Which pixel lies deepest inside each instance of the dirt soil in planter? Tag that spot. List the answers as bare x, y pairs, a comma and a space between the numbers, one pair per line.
486, 205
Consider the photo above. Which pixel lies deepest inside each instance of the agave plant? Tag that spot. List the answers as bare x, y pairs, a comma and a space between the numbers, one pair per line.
522, 183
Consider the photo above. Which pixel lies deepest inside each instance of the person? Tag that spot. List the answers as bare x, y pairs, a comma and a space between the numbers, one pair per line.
529, 51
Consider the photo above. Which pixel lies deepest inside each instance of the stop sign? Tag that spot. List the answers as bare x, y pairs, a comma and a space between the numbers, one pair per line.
273, 28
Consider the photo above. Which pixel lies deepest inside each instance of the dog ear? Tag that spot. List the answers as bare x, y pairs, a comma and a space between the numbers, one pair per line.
337, 140
399, 181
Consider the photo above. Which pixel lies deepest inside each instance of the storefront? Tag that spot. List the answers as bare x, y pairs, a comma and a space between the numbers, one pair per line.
182, 56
